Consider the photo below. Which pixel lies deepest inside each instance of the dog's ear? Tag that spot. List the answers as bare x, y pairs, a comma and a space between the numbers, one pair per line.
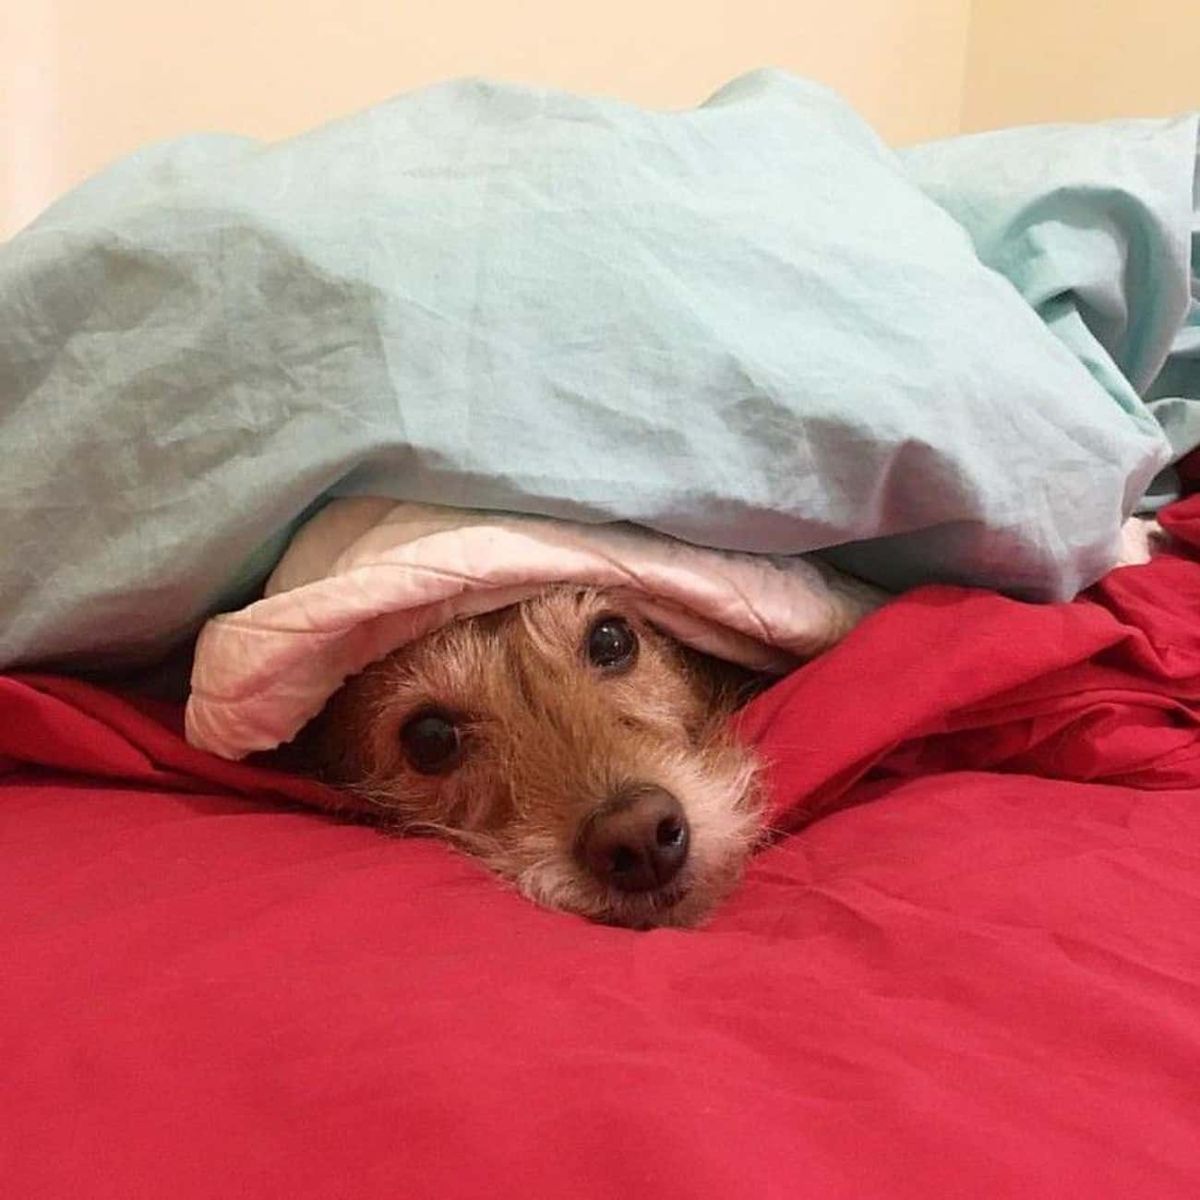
302, 754
313, 752
331, 746
726, 685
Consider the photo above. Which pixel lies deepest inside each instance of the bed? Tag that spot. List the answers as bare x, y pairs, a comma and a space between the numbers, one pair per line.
968, 961
968, 965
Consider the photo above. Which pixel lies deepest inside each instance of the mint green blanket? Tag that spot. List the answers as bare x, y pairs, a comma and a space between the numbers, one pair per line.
745, 325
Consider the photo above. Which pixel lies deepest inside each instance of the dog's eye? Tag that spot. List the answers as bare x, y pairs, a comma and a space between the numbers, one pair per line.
611, 644
432, 742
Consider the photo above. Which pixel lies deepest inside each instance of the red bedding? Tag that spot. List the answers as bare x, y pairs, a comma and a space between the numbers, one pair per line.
978, 974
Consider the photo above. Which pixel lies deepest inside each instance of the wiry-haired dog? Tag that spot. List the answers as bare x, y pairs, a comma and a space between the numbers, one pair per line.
578, 751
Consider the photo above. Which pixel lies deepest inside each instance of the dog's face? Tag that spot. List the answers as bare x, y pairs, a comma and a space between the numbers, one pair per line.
577, 750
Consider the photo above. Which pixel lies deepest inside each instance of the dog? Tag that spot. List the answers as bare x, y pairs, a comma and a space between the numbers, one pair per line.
581, 753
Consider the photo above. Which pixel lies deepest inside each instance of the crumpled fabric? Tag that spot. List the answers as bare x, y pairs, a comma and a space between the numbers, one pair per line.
976, 973
743, 326
1098, 226
368, 576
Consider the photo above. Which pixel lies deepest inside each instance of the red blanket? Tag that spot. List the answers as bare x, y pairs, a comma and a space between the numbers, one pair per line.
977, 974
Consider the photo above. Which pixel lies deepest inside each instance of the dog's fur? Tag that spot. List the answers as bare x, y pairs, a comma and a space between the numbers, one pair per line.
548, 740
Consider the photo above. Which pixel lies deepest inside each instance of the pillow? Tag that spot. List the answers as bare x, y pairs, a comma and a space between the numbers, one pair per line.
1098, 226
742, 326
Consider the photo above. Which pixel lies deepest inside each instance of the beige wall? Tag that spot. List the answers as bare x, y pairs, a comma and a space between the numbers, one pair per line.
1062, 60
84, 81
88, 80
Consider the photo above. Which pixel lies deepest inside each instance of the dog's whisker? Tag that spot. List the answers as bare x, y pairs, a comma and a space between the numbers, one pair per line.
380, 798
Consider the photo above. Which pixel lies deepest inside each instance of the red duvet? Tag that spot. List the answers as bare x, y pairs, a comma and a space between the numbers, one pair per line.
977, 974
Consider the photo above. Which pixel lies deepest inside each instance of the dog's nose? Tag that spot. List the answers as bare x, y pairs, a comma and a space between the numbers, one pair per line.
637, 842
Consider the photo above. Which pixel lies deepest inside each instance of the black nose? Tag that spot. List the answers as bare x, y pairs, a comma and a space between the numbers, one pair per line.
637, 842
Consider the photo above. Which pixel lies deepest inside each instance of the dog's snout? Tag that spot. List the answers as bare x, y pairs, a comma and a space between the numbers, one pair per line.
637, 842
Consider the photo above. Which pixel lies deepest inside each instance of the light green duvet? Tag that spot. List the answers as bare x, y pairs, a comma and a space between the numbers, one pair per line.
746, 326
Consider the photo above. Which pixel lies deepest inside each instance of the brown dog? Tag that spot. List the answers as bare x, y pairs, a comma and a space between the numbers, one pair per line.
577, 750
